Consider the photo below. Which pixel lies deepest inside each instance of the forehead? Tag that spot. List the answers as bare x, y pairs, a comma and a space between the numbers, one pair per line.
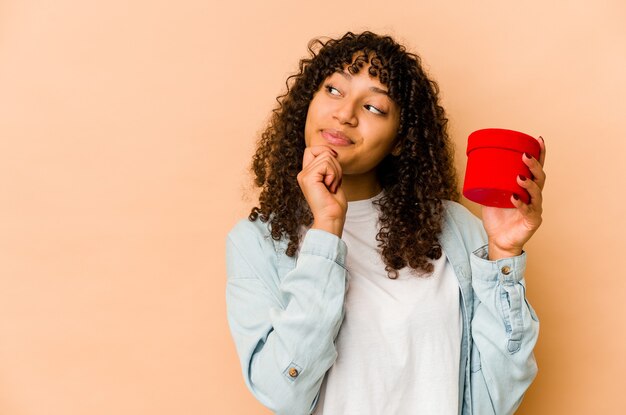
363, 73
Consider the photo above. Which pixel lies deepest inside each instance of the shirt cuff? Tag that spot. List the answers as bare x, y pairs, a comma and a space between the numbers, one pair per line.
325, 244
506, 270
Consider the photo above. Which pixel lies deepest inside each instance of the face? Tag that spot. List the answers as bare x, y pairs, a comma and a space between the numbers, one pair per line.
354, 115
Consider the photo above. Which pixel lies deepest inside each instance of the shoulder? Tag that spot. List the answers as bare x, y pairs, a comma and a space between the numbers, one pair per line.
251, 236
245, 229
249, 249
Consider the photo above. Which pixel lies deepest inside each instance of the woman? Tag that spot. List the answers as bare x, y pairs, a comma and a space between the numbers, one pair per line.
358, 228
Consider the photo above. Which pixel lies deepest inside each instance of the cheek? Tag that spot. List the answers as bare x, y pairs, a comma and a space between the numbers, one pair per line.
383, 136
390, 132
314, 118
318, 109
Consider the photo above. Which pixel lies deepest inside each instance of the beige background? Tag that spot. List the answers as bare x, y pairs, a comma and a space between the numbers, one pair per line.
125, 132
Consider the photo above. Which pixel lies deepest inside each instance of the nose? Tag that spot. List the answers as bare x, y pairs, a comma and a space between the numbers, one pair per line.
345, 113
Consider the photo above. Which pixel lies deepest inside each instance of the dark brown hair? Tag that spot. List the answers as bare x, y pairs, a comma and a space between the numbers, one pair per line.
414, 182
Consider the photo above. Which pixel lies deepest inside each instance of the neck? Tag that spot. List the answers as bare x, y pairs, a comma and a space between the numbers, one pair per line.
360, 187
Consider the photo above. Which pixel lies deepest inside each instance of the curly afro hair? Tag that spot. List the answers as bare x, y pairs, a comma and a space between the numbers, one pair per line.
414, 182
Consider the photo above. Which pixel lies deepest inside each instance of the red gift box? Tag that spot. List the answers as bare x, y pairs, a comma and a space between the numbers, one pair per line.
494, 159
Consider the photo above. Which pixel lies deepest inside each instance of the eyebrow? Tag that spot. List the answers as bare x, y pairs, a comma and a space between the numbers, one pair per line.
373, 88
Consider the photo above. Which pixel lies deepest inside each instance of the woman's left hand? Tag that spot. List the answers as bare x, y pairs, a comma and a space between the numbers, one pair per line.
509, 229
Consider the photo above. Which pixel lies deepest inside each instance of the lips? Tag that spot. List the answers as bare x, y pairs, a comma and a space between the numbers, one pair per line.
336, 137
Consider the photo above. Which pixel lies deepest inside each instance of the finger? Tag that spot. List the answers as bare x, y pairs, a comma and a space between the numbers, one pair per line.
339, 171
542, 153
310, 153
329, 176
519, 205
332, 159
318, 150
325, 167
533, 189
307, 158
536, 169
338, 177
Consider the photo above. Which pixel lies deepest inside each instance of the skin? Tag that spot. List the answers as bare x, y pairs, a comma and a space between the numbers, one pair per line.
332, 174
358, 108
509, 229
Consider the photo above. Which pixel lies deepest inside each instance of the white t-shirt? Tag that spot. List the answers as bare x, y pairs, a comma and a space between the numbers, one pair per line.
399, 344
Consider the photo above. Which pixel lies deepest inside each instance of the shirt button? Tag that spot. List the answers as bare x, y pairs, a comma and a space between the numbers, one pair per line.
293, 372
506, 270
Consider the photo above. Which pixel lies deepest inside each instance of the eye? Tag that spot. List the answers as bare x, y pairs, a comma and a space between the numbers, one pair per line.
331, 88
375, 110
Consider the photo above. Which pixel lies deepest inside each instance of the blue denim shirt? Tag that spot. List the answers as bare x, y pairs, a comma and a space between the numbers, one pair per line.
284, 315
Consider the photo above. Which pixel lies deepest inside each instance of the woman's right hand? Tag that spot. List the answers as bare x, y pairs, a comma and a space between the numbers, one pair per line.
320, 181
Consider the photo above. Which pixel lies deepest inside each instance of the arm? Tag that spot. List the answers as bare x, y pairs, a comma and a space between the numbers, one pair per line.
504, 326
286, 343
504, 332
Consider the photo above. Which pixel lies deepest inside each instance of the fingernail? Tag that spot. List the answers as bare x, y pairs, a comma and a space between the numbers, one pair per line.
516, 197
522, 178
528, 156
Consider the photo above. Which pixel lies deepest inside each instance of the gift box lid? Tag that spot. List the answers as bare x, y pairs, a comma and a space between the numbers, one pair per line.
504, 139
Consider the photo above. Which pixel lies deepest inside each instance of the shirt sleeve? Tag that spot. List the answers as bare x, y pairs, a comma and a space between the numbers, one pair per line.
504, 331
285, 342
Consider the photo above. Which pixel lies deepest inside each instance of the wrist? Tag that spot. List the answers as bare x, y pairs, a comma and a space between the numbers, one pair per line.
334, 226
496, 252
